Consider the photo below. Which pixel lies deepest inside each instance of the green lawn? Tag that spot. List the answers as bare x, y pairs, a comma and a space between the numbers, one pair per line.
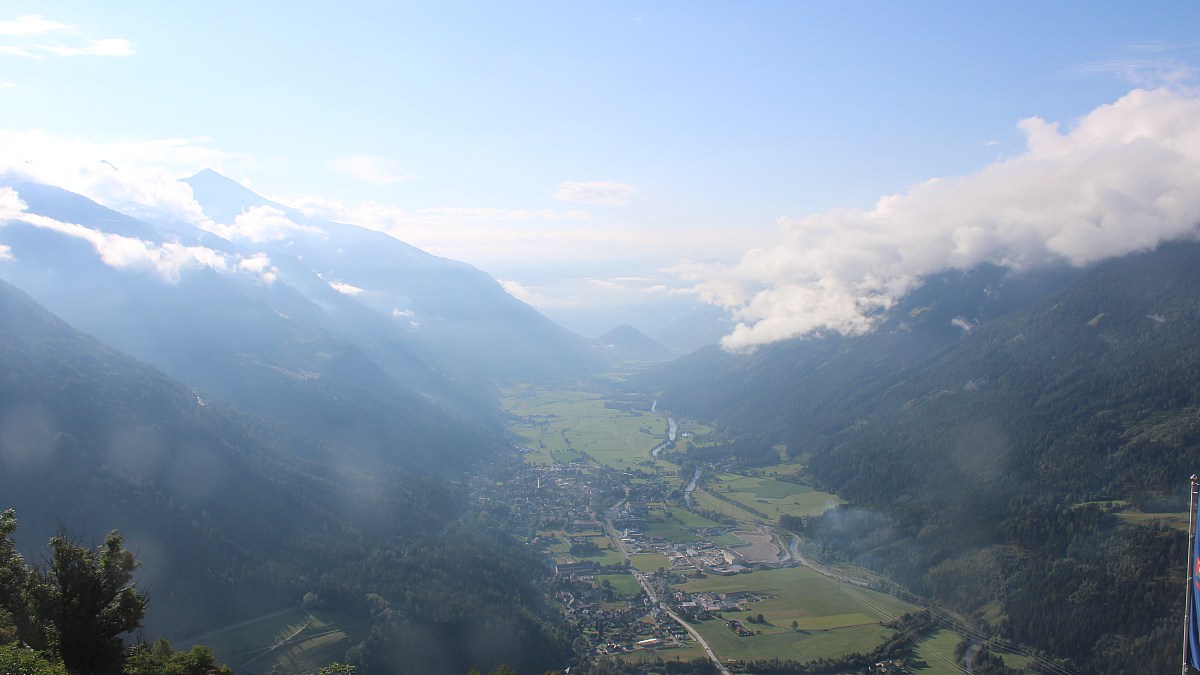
624, 584
1179, 521
768, 495
650, 562
832, 620
938, 651
786, 643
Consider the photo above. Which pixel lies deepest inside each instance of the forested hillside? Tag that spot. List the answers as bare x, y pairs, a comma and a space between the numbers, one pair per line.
233, 515
984, 463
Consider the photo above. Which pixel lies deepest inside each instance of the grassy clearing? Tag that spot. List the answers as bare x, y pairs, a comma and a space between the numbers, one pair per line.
938, 651
1179, 521
296, 641
254, 635
624, 584
785, 643
832, 620
711, 503
801, 595
679, 526
768, 495
763, 487
663, 655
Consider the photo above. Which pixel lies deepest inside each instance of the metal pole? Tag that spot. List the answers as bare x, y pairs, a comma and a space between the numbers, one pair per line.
1187, 603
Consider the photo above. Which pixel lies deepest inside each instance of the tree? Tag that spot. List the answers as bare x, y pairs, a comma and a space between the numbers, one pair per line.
86, 600
162, 659
17, 659
14, 580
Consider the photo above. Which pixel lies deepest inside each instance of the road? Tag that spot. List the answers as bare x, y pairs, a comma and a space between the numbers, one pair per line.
652, 594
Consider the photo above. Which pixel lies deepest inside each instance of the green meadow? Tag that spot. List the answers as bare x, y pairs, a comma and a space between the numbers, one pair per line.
831, 619
294, 641
563, 425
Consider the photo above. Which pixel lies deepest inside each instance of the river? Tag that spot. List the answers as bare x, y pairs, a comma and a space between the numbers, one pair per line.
672, 429
687, 491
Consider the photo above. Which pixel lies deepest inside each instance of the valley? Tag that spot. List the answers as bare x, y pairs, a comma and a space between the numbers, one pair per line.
424, 474
644, 579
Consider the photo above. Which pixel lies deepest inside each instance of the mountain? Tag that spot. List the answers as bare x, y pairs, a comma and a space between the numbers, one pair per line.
988, 434
317, 363
207, 496
234, 516
449, 308
627, 343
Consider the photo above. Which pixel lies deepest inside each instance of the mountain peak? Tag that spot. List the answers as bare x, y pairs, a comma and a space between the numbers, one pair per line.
224, 199
634, 345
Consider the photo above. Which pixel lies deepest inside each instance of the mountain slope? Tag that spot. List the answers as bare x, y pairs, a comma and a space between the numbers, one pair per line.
234, 516
449, 308
205, 495
981, 457
245, 337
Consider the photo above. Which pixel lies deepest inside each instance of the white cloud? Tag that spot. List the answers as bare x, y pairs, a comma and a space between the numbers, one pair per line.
32, 33
140, 178
372, 169
345, 288
1144, 64
596, 192
1124, 178
11, 205
259, 265
518, 291
6, 253
259, 224
33, 24
167, 260
107, 47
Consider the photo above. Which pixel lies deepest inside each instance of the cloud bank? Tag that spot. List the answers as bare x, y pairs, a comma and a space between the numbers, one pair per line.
259, 224
36, 34
138, 178
1124, 178
167, 260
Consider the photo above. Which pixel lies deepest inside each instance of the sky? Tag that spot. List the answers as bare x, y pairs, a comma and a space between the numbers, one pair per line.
798, 164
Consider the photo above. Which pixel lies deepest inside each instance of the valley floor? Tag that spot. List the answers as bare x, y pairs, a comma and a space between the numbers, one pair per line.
646, 573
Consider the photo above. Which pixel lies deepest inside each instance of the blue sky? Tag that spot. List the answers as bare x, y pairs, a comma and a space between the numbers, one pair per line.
596, 157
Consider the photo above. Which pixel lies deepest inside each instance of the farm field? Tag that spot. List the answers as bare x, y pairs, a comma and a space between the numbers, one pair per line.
664, 654
789, 644
294, 641
831, 619
938, 651
773, 497
680, 526
563, 424
649, 562
624, 584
